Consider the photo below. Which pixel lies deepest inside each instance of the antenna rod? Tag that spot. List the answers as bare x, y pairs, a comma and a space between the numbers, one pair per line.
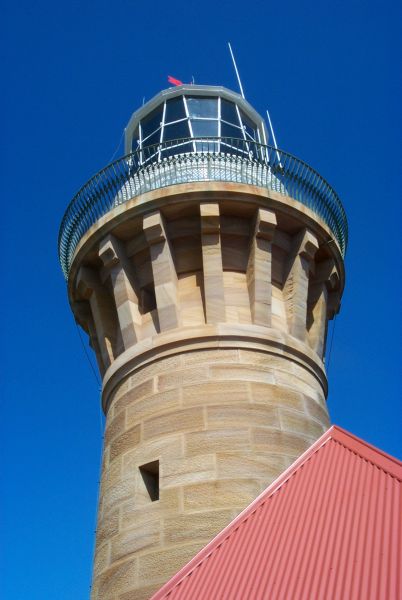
274, 139
237, 72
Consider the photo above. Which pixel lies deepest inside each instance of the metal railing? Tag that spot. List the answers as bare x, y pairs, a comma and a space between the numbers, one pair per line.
201, 159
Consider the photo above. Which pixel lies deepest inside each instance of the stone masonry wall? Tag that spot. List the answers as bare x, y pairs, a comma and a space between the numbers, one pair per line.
223, 423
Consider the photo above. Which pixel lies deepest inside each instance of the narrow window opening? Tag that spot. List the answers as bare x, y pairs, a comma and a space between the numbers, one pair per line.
150, 476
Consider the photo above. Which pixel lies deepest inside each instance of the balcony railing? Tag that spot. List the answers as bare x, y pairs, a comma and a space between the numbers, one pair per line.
201, 159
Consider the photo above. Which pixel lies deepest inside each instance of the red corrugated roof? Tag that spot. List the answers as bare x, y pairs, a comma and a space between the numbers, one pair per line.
328, 527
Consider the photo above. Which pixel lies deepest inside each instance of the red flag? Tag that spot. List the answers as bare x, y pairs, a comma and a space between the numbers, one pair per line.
174, 81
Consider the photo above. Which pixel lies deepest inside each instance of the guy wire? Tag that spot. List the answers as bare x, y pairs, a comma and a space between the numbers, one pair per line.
88, 358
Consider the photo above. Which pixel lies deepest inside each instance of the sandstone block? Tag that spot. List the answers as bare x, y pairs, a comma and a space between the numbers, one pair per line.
133, 515
117, 579
220, 494
279, 442
295, 422
152, 405
316, 410
287, 380
215, 392
102, 559
263, 466
178, 379
116, 494
108, 526
170, 363
242, 372
176, 472
159, 566
181, 420
200, 442
137, 538
202, 526
111, 475
125, 441
114, 427
238, 415
141, 593
135, 393
211, 356
276, 396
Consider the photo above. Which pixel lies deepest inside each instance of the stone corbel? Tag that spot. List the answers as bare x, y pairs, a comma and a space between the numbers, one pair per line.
163, 270
89, 287
214, 296
321, 297
296, 286
259, 279
118, 268
327, 275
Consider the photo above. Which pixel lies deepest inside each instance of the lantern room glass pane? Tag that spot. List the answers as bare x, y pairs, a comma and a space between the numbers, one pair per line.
204, 128
206, 108
153, 139
175, 110
177, 149
233, 147
249, 126
230, 131
229, 112
207, 146
151, 122
176, 131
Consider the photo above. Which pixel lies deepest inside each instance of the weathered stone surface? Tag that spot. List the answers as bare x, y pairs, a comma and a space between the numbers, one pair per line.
165, 402
279, 442
114, 427
220, 494
261, 465
225, 440
195, 526
242, 372
159, 566
116, 579
133, 515
232, 416
178, 472
292, 421
181, 420
125, 441
276, 396
182, 378
108, 527
216, 392
143, 536
135, 393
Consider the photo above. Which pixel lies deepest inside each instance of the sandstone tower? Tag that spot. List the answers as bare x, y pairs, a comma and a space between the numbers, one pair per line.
204, 266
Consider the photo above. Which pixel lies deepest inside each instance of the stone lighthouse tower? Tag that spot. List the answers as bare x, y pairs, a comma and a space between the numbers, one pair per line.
204, 266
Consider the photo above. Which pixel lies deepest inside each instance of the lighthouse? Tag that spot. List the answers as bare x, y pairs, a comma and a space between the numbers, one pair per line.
204, 266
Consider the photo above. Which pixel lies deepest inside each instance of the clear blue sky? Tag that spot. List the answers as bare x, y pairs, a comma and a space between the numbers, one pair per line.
74, 73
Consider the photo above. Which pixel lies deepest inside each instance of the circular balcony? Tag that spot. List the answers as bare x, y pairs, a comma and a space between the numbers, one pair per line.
198, 159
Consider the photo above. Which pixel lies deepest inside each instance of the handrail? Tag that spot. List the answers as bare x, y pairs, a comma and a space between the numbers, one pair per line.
198, 159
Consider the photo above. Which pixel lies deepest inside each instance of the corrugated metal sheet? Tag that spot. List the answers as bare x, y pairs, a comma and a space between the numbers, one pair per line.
329, 527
